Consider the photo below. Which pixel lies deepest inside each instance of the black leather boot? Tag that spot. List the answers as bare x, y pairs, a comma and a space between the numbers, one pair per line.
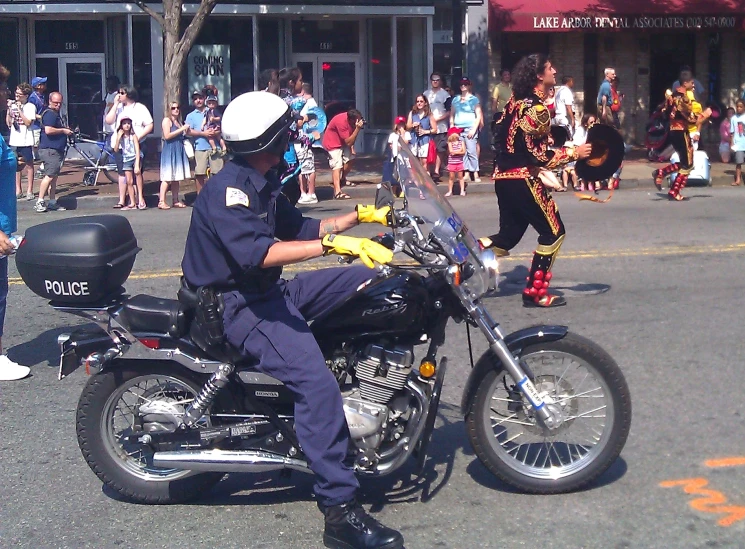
348, 526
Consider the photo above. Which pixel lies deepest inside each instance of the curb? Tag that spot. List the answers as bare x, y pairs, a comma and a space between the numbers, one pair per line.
364, 190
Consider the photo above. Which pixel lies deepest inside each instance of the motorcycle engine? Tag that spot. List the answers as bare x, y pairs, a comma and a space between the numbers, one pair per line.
381, 373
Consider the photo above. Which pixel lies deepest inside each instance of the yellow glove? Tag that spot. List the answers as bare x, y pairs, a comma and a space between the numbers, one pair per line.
364, 248
369, 214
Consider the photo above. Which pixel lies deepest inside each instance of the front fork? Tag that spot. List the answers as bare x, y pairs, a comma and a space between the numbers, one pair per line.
495, 337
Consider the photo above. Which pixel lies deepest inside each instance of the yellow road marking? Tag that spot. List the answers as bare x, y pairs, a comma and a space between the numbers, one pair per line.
588, 254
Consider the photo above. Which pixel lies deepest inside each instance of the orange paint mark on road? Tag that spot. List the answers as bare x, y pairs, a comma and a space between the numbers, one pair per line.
712, 502
725, 462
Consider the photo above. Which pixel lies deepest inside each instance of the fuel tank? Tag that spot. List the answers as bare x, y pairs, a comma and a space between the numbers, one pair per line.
395, 305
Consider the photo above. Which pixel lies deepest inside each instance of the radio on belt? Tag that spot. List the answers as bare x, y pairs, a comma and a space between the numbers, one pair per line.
78, 260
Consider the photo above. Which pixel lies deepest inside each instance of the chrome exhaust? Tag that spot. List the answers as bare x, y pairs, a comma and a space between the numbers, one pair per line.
228, 461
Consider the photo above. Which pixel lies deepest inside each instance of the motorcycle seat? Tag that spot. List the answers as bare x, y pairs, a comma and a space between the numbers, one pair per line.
145, 313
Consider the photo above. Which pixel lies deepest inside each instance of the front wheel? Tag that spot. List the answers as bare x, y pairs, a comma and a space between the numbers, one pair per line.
149, 397
583, 385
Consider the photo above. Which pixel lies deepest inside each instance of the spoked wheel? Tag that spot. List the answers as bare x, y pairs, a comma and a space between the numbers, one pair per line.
583, 386
147, 399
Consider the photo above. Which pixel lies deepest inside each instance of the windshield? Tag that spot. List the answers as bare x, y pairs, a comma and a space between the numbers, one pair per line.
438, 220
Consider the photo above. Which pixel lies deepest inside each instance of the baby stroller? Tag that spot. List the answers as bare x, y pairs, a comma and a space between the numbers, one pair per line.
658, 128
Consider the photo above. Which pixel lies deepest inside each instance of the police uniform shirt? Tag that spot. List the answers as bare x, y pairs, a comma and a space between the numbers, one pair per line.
237, 216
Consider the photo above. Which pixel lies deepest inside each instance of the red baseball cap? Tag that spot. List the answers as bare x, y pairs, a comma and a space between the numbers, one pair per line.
454, 130
399, 120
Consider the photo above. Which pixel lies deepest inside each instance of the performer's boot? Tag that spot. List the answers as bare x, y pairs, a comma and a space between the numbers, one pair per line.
487, 244
660, 174
536, 293
679, 185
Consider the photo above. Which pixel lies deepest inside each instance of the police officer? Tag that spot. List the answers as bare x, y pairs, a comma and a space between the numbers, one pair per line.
243, 230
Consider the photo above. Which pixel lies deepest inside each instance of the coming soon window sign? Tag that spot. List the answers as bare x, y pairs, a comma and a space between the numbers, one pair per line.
210, 64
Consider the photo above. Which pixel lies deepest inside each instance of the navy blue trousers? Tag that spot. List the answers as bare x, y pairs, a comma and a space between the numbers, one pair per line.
273, 328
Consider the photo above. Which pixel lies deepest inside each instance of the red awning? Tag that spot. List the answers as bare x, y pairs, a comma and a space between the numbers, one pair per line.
604, 15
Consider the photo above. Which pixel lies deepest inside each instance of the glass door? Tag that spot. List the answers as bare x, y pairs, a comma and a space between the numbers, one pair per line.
335, 80
83, 81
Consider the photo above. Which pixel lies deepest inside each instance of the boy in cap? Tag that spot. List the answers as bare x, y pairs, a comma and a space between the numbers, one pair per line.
37, 99
212, 119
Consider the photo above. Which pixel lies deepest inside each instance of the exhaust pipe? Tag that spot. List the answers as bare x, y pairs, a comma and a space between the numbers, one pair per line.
228, 461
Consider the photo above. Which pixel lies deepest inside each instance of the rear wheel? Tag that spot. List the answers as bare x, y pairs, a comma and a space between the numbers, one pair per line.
584, 386
144, 398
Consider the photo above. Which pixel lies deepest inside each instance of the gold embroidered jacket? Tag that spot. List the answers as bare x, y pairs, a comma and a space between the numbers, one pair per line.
521, 140
679, 110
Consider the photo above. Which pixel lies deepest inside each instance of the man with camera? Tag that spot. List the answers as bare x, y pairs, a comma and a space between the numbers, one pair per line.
338, 140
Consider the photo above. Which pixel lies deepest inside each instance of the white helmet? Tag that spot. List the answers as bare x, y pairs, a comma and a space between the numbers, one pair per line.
255, 122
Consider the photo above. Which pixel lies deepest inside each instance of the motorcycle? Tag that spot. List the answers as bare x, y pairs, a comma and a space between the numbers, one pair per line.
165, 415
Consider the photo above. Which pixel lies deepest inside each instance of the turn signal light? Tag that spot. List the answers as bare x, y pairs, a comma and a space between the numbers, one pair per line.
427, 369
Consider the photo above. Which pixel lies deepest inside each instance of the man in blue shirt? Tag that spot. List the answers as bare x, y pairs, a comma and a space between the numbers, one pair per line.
52, 146
605, 97
203, 154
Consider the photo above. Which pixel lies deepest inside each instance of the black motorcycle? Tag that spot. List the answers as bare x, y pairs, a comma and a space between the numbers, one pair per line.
165, 414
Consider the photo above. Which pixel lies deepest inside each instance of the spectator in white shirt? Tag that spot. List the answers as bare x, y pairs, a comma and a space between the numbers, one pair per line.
564, 105
19, 117
126, 106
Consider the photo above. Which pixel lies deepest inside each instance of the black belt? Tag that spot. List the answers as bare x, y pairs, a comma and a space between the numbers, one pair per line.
250, 286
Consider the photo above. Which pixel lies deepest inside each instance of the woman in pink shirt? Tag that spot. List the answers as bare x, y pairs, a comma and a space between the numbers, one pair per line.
725, 135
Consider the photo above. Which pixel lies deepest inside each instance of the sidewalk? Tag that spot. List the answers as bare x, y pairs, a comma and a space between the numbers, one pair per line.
366, 173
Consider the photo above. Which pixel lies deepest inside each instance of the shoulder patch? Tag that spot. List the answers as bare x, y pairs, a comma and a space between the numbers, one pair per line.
235, 197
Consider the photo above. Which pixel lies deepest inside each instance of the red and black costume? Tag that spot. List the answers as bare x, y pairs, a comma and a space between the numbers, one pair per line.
679, 110
521, 141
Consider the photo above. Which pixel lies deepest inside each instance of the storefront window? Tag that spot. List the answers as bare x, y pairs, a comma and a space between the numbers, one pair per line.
379, 75
411, 57
69, 36
236, 35
141, 61
270, 38
9, 59
325, 36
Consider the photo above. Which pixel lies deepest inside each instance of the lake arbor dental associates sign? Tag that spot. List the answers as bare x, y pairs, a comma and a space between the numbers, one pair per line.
569, 22
550, 22
210, 64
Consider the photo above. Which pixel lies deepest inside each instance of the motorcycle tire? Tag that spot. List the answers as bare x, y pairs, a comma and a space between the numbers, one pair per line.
111, 464
495, 447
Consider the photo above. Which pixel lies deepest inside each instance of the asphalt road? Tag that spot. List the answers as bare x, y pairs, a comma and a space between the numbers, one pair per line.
658, 284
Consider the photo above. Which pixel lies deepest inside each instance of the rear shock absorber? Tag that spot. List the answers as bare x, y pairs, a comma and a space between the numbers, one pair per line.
207, 394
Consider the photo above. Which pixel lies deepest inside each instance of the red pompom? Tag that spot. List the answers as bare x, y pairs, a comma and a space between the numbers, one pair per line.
549, 276
537, 283
533, 292
545, 283
538, 275
542, 292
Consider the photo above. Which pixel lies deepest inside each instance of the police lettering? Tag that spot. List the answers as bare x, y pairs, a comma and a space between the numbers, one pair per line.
66, 288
